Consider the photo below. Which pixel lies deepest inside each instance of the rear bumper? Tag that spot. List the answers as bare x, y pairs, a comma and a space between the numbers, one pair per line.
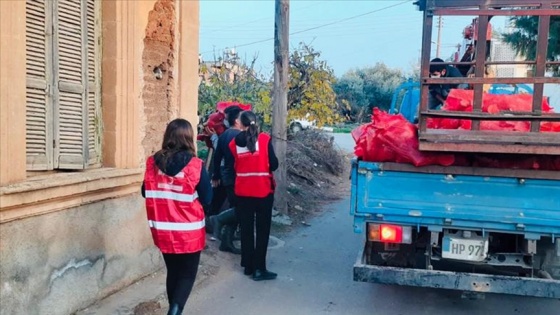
471, 282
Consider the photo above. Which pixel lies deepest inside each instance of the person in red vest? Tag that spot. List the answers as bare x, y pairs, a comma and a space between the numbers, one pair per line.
254, 162
176, 185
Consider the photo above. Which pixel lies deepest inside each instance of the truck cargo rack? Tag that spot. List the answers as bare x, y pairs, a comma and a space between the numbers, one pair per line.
476, 140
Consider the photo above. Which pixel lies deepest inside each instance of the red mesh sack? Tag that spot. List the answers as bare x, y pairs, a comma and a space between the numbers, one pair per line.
550, 127
391, 138
221, 106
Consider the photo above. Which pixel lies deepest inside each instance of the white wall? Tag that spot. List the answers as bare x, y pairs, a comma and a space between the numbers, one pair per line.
553, 92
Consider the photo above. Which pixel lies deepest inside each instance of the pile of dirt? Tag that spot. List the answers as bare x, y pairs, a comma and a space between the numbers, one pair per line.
316, 172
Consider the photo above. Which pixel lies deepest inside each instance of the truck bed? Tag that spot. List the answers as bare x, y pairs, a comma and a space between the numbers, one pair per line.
513, 201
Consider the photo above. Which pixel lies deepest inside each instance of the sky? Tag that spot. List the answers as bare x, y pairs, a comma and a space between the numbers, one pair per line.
387, 31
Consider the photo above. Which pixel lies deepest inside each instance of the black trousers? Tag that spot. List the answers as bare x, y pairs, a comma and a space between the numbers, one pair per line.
218, 199
254, 211
231, 197
181, 273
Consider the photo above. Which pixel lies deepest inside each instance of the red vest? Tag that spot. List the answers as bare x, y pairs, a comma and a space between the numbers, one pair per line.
252, 170
175, 215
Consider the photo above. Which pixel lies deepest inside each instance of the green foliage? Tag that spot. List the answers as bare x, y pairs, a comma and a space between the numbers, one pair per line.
342, 130
524, 38
363, 89
202, 150
233, 81
311, 87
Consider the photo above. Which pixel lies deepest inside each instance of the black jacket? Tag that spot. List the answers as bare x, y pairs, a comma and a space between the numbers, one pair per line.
175, 164
443, 89
226, 173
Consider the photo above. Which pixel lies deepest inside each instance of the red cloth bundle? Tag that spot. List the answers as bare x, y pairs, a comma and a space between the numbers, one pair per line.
216, 120
391, 138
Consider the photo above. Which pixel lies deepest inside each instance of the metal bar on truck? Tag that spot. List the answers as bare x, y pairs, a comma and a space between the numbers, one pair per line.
425, 66
502, 12
546, 80
471, 171
435, 4
540, 69
505, 116
471, 282
490, 142
480, 68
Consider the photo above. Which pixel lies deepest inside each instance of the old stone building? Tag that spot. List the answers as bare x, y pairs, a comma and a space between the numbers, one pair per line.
86, 90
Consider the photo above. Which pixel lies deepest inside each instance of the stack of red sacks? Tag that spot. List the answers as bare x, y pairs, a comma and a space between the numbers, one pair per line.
216, 120
392, 138
462, 101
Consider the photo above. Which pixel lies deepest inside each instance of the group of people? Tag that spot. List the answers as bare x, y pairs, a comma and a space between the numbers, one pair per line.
177, 188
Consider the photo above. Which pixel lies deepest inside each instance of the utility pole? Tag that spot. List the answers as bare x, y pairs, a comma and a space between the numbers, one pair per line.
280, 100
440, 23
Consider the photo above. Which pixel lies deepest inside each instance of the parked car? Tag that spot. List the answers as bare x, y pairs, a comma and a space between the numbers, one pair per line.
299, 124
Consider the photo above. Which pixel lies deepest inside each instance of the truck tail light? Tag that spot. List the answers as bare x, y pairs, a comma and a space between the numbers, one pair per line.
390, 233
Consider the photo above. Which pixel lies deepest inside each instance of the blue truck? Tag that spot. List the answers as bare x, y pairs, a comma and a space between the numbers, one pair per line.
474, 230
470, 229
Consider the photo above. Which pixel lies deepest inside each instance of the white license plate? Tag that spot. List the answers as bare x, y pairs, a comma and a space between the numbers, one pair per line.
464, 248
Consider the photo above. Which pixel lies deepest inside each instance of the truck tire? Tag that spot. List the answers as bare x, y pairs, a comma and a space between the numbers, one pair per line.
296, 127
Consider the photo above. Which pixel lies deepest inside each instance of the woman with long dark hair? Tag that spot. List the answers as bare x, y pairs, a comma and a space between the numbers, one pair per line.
176, 185
254, 162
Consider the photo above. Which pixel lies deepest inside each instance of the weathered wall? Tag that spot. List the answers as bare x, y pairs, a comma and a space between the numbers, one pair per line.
158, 64
60, 262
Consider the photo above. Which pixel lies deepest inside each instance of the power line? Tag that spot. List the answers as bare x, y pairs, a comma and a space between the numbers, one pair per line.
250, 22
351, 17
319, 26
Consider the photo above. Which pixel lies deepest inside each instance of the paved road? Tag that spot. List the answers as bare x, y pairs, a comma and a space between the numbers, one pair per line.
344, 141
315, 268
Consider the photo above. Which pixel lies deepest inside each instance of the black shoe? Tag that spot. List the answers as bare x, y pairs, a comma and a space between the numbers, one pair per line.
174, 309
248, 271
227, 241
261, 275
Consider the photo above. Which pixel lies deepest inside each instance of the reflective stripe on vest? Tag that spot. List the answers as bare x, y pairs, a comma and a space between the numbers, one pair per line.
157, 194
174, 226
178, 175
243, 150
252, 174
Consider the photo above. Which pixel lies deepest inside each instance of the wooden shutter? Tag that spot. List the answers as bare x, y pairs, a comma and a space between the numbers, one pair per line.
39, 133
70, 80
93, 84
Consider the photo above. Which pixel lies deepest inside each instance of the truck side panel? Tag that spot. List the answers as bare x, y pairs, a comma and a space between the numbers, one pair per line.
530, 207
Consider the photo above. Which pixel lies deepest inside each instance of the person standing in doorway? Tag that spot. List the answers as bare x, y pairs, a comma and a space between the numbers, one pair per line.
254, 188
176, 185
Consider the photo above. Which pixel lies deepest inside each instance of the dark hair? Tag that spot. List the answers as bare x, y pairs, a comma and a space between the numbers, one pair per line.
232, 113
249, 120
436, 68
178, 136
